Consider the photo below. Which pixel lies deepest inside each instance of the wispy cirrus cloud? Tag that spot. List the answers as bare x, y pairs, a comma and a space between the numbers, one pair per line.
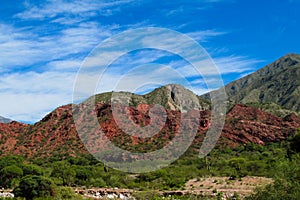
41, 54
205, 35
61, 54
236, 64
224, 65
55, 8
15, 48
22, 47
29, 96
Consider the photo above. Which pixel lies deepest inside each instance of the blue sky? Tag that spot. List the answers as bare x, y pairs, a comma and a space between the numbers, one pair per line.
43, 43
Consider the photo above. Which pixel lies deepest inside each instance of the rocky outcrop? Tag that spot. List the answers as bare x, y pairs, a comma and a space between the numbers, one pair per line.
246, 124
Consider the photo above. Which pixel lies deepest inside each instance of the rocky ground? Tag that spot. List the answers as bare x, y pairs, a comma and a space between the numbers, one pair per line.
210, 186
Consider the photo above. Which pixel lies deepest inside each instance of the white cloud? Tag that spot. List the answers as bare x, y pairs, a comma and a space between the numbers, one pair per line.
29, 96
30, 107
32, 82
223, 65
64, 64
54, 8
21, 47
203, 36
236, 64
154, 74
15, 47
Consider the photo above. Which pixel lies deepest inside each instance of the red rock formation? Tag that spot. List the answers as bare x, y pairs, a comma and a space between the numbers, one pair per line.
56, 133
247, 124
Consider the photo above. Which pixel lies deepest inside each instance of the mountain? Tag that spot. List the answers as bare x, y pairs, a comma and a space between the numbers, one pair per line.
56, 135
10, 136
4, 120
264, 107
170, 96
246, 124
274, 87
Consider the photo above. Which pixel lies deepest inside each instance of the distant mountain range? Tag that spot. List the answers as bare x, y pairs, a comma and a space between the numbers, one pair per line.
263, 108
4, 120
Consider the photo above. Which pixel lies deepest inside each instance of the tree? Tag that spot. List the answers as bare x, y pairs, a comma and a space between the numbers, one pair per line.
238, 164
10, 160
83, 175
295, 143
63, 170
8, 174
280, 189
78, 161
32, 186
31, 169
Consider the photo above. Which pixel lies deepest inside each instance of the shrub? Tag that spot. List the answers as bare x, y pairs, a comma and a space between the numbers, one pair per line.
295, 143
10, 160
281, 189
31, 169
67, 193
8, 174
63, 170
35, 186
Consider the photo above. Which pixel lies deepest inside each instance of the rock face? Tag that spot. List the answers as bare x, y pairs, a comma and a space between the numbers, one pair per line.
172, 97
176, 97
276, 83
247, 124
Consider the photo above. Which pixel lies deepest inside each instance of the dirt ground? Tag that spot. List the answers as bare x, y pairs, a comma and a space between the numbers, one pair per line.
210, 186
243, 186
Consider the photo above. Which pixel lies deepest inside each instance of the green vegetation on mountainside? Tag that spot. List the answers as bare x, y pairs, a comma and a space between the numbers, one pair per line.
277, 83
280, 161
275, 87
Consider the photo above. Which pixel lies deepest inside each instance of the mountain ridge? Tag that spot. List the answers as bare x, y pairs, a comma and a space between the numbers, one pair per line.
56, 133
276, 83
163, 95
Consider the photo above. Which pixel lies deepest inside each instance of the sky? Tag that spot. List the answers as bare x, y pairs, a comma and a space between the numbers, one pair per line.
43, 44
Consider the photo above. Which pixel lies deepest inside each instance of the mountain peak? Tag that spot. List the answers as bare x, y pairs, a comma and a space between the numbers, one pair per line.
174, 85
171, 96
292, 56
176, 97
289, 59
277, 83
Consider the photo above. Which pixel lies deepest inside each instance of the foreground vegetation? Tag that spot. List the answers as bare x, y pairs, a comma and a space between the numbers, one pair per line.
38, 178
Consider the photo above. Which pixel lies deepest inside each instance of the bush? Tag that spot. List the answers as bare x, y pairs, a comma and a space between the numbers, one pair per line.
295, 143
63, 170
8, 174
31, 169
281, 189
10, 160
67, 193
35, 186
